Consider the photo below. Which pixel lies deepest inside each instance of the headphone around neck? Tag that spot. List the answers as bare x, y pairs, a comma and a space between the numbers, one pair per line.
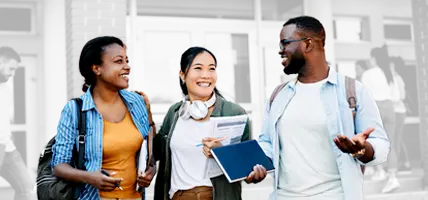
196, 109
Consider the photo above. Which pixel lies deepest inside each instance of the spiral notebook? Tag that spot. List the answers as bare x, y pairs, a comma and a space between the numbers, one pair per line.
237, 160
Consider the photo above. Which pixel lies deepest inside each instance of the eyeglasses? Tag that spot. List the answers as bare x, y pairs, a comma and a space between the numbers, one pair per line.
285, 42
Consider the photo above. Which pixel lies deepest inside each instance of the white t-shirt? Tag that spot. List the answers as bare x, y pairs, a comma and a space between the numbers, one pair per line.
307, 169
6, 113
188, 161
374, 79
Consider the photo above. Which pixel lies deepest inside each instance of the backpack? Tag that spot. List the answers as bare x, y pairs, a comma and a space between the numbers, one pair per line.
49, 187
351, 97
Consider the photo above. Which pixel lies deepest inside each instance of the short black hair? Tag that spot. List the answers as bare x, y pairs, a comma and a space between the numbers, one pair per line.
9, 53
309, 26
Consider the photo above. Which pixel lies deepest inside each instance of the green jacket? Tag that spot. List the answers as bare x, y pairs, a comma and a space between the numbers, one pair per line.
222, 189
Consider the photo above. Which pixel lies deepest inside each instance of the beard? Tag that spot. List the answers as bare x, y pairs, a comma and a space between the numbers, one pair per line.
295, 65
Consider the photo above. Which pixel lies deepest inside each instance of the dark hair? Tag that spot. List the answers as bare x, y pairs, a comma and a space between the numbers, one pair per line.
399, 64
380, 54
363, 64
9, 53
308, 26
186, 60
91, 55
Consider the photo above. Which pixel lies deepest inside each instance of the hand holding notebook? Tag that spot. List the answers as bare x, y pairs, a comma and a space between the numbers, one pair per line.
245, 160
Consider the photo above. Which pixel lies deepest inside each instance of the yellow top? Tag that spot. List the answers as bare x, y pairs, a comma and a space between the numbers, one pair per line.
121, 142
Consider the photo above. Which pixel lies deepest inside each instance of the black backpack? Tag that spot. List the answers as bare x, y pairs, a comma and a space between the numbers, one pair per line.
49, 187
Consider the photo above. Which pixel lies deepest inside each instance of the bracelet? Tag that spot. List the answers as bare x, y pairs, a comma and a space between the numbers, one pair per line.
359, 154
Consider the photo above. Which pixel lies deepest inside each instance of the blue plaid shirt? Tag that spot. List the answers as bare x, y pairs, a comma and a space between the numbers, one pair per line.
67, 133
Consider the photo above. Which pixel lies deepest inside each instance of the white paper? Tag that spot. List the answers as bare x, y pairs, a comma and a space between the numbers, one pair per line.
144, 151
142, 161
232, 128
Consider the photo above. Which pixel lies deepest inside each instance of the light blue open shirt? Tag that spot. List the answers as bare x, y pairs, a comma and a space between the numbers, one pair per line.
340, 121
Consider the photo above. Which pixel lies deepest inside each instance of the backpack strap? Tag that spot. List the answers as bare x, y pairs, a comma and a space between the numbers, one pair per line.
80, 162
275, 93
351, 96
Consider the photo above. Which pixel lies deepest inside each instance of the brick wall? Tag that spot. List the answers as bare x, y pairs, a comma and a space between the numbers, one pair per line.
420, 21
87, 19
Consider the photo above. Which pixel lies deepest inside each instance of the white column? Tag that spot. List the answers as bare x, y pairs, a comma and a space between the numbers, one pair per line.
257, 73
131, 42
323, 11
54, 67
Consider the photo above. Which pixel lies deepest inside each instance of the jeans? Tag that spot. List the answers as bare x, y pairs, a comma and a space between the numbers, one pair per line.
387, 113
15, 172
399, 144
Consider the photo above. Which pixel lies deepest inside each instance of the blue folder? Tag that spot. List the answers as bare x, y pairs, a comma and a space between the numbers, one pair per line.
237, 160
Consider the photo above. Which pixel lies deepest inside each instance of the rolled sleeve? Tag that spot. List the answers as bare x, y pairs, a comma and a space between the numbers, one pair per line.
368, 116
65, 139
264, 140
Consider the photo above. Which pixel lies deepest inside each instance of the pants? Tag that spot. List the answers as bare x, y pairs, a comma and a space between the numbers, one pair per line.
399, 125
197, 193
387, 113
15, 172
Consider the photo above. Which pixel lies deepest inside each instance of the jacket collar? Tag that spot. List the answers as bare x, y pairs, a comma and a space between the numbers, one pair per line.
332, 79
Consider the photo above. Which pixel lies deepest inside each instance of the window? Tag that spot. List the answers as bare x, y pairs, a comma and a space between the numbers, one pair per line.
351, 29
398, 30
16, 19
346, 68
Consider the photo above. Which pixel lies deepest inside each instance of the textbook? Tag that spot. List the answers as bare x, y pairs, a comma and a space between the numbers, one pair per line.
237, 160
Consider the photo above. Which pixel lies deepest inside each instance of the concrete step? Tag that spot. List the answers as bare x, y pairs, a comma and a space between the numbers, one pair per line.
414, 195
407, 184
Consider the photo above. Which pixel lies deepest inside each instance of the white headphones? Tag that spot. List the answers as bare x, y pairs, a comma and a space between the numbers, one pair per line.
197, 109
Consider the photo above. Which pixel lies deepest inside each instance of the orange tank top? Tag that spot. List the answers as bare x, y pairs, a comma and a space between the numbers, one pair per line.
121, 142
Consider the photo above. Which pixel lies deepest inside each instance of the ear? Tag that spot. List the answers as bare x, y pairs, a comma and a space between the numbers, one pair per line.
309, 45
96, 69
182, 76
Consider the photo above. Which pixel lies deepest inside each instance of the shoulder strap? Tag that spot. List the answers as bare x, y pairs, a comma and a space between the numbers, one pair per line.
80, 162
351, 96
275, 92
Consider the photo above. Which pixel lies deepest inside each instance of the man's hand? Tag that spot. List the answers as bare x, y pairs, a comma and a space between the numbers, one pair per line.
258, 174
357, 146
144, 179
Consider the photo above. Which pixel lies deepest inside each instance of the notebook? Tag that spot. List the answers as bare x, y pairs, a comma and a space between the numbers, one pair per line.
237, 160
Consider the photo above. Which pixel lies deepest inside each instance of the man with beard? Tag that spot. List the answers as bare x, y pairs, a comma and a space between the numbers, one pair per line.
308, 130
12, 166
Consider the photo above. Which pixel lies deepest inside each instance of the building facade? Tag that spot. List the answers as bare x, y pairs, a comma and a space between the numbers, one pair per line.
243, 34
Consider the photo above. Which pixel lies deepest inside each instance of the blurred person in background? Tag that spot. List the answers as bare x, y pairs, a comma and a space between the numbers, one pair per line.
378, 79
398, 97
12, 166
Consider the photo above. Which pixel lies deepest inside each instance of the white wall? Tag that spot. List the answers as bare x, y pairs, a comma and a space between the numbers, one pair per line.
376, 11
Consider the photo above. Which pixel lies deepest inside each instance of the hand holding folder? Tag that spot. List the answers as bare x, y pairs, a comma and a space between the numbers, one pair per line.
243, 161
145, 170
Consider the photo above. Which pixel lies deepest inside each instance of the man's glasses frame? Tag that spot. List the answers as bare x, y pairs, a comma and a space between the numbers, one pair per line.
285, 42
